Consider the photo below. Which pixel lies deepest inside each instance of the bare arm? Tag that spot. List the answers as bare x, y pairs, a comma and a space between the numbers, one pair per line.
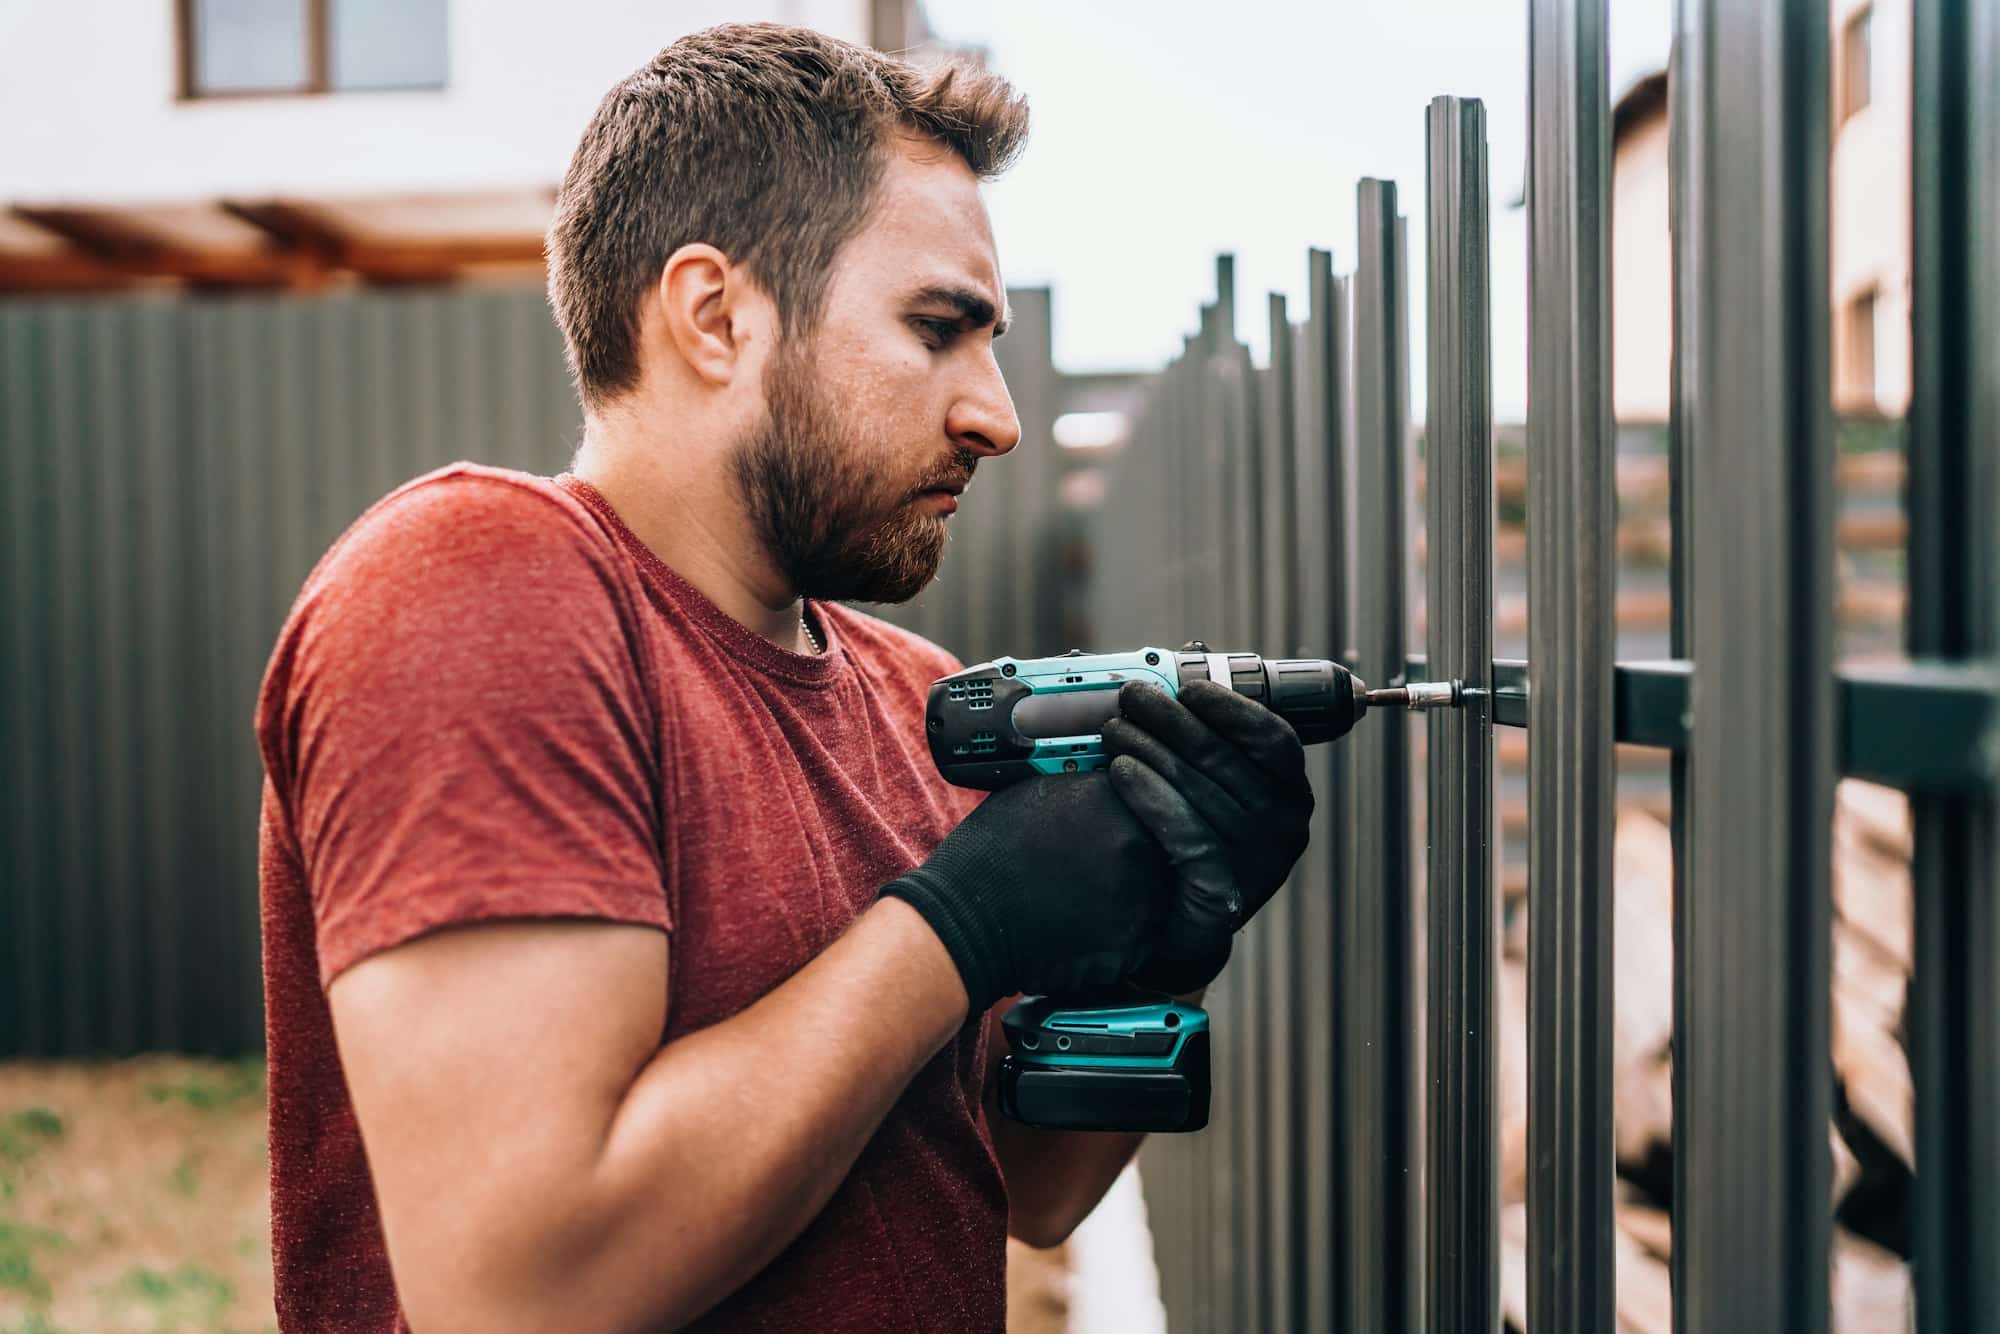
542, 1162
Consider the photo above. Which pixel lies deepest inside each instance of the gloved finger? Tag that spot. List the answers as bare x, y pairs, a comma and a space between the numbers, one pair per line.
1223, 812
1207, 901
1251, 727
1181, 974
1152, 709
1174, 824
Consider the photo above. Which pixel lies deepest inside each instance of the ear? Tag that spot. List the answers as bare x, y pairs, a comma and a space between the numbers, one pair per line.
706, 304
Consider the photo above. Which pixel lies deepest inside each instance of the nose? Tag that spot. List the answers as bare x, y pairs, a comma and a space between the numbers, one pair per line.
982, 417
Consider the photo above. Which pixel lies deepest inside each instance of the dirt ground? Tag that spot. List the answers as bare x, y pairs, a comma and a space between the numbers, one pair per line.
133, 1197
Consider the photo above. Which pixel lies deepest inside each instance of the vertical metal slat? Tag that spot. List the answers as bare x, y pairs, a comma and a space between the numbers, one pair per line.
1374, 967
1571, 642
1954, 573
1463, 1260
1755, 1226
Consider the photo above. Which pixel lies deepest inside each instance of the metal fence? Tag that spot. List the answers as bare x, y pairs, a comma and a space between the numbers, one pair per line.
1348, 1180
173, 466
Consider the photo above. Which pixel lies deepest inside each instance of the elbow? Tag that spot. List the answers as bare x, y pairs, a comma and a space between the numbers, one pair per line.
1043, 1229
531, 1272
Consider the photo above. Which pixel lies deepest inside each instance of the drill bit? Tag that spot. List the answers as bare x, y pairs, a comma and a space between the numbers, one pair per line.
1418, 695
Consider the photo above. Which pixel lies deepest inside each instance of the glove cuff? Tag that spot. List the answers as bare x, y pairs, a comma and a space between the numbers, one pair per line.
954, 892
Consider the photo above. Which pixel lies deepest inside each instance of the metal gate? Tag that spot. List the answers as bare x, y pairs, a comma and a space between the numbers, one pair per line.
1349, 1180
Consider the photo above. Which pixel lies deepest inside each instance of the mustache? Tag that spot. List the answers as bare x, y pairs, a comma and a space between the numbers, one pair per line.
958, 475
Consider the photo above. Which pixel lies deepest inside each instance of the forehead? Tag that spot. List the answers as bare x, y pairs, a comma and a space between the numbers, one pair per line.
928, 226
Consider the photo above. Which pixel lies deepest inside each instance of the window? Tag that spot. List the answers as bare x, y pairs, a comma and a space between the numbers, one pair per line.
235, 47
1857, 363
1855, 36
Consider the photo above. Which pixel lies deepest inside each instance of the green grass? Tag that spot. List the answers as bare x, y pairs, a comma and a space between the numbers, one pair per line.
34, 1324
185, 1179
188, 1295
18, 1272
210, 1091
24, 1133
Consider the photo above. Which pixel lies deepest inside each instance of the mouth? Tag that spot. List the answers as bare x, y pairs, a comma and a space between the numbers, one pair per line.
949, 489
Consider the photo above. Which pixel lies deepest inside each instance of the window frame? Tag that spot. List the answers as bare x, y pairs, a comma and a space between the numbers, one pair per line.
1859, 379
1857, 33
319, 64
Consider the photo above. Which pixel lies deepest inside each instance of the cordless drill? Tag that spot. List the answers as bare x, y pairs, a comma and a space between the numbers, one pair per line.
1123, 1059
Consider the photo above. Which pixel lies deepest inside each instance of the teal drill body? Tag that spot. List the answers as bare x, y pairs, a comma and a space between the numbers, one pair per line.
1128, 1059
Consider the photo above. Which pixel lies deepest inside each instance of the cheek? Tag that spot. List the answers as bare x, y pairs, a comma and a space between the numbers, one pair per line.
892, 403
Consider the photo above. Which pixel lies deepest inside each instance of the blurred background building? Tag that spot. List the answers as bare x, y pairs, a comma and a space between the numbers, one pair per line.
1870, 223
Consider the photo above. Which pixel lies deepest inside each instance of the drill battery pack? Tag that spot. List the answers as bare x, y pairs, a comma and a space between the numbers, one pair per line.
1134, 1061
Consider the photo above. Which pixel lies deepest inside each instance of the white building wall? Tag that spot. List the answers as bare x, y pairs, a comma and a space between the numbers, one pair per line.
88, 112
1870, 185
1642, 332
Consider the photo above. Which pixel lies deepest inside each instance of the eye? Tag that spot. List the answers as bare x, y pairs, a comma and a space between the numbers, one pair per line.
937, 333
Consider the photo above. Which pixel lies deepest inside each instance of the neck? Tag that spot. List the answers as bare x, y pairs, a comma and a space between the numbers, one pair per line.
678, 499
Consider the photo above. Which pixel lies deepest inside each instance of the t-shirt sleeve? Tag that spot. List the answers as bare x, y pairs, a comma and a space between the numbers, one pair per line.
456, 723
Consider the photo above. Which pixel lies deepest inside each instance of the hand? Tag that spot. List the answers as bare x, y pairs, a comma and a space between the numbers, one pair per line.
1220, 780
1051, 885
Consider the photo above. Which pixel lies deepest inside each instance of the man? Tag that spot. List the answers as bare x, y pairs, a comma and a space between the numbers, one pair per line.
628, 964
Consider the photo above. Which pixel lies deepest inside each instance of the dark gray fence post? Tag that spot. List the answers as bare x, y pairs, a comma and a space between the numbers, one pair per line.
1753, 1228
1374, 966
1320, 522
1463, 1255
1277, 579
1686, 77
1572, 522
1954, 573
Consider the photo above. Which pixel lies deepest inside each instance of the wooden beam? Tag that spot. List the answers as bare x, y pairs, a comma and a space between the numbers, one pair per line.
62, 271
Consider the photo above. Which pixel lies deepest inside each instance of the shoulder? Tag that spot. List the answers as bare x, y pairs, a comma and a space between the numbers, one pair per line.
876, 644
466, 573
468, 509
466, 537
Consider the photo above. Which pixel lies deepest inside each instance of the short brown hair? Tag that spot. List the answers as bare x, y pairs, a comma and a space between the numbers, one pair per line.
764, 141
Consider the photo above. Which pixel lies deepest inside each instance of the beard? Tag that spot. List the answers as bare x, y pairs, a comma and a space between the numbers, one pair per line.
810, 479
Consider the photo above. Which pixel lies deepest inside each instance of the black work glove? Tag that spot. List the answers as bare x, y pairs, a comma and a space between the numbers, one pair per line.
1051, 885
1220, 780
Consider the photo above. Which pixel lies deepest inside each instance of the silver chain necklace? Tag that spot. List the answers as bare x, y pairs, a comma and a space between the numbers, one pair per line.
811, 638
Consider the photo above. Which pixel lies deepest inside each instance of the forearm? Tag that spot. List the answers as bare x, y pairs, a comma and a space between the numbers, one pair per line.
732, 1139
1054, 1177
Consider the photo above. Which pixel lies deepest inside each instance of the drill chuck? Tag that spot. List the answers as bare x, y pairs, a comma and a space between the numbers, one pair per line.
1316, 696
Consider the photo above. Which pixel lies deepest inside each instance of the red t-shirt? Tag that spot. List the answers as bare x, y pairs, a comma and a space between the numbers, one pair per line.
490, 701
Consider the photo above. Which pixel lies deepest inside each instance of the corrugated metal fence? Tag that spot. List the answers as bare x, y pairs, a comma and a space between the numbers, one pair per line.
172, 469
1349, 1177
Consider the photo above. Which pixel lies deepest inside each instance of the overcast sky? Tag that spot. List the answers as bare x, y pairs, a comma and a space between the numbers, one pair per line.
1166, 131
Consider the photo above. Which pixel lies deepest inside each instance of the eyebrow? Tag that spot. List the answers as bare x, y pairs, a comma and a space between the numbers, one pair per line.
973, 309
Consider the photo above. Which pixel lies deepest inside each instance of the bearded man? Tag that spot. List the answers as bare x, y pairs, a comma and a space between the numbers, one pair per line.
628, 964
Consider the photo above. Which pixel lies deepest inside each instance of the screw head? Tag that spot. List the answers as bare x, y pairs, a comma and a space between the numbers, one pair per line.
1007, 669
1152, 659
